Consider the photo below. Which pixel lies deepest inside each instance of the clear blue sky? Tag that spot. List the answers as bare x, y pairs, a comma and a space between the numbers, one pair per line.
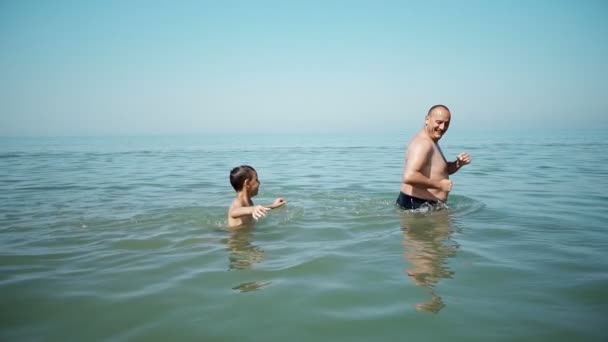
190, 67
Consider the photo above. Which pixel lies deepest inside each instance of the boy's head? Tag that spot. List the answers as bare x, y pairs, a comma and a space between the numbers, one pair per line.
245, 177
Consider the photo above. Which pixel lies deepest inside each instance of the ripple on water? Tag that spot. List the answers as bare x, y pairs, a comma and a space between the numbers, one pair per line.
139, 241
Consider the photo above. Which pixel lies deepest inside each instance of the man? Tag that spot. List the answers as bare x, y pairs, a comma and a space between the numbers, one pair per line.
426, 172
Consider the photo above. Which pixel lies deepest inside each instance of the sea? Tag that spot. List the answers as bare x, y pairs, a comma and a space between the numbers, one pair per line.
118, 238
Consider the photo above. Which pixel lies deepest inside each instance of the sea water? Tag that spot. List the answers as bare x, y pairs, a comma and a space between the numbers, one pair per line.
124, 238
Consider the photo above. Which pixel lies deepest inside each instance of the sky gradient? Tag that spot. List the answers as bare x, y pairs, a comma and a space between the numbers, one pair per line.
165, 67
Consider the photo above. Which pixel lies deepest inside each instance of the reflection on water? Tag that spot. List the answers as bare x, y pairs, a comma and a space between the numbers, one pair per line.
242, 255
427, 245
250, 286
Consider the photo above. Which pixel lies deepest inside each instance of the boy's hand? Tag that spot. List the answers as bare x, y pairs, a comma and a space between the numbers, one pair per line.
259, 212
277, 203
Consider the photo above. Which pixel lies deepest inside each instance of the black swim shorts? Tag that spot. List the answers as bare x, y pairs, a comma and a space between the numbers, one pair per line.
407, 202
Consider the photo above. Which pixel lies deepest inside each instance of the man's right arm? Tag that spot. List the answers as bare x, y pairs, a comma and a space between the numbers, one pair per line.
418, 156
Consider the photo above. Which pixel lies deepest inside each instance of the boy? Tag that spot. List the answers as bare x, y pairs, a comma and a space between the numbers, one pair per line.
244, 180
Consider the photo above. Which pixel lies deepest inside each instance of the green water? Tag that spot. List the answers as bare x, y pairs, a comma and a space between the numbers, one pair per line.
123, 239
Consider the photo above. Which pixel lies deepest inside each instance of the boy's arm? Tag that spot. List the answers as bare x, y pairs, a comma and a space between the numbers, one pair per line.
257, 211
277, 203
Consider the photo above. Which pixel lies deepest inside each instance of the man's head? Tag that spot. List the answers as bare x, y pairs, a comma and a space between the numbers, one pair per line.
437, 122
245, 177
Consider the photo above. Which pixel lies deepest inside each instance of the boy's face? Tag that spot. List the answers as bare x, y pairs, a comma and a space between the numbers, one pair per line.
254, 185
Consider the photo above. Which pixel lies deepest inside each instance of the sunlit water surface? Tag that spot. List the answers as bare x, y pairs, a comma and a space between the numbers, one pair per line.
124, 239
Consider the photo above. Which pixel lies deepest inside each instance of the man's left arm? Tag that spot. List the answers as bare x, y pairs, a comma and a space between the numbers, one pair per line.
462, 159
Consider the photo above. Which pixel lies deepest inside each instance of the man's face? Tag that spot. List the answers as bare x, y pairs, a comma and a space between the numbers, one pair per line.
437, 123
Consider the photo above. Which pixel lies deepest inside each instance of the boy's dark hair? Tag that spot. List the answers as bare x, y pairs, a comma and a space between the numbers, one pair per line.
239, 174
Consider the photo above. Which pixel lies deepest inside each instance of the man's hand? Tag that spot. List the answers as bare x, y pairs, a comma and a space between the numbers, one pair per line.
277, 203
258, 212
445, 185
463, 159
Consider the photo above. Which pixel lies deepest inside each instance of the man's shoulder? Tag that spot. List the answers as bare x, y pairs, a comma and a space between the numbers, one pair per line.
420, 142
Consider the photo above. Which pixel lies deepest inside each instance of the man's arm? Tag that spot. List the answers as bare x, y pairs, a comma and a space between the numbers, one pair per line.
462, 159
419, 155
453, 166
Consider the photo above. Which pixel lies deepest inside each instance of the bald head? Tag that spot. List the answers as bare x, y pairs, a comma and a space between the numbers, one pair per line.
437, 122
437, 109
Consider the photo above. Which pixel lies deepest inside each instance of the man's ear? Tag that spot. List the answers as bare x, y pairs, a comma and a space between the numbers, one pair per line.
246, 184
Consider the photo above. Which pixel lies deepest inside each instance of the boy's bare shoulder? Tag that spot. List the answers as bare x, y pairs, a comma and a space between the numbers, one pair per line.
236, 203
232, 220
